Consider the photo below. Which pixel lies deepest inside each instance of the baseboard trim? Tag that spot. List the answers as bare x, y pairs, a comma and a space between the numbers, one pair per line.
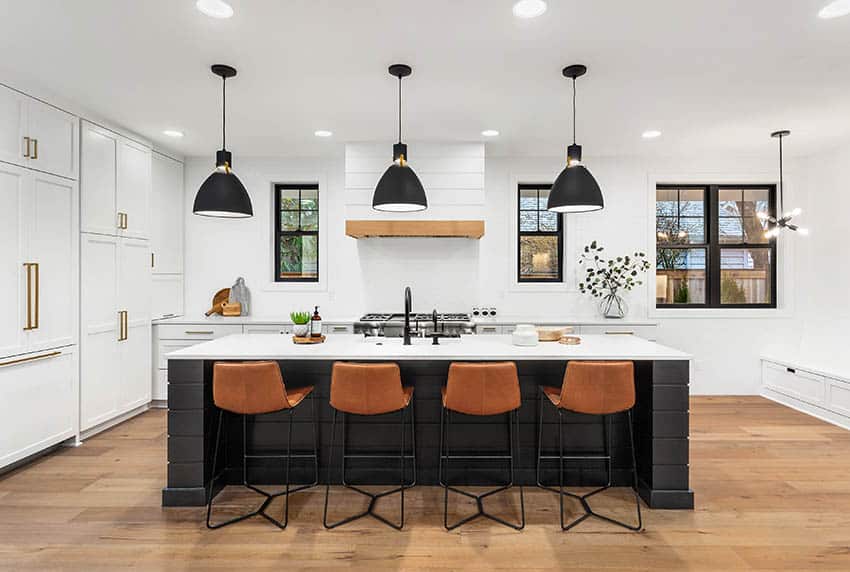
92, 431
813, 410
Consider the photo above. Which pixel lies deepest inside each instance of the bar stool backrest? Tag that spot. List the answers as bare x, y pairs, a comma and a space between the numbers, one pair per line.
482, 388
598, 387
249, 388
367, 389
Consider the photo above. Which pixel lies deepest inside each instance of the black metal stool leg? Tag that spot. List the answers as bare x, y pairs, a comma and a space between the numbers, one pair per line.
479, 499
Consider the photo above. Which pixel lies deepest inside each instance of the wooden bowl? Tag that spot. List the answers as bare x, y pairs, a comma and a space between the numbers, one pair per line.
570, 340
552, 334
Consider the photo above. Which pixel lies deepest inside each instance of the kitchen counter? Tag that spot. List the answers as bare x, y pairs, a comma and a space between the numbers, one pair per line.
356, 347
660, 415
242, 320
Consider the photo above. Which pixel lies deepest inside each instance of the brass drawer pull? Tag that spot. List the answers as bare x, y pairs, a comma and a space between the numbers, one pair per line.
199, 332
27, 145
619, 333
34, 149
32, 296
30, 358
123, 332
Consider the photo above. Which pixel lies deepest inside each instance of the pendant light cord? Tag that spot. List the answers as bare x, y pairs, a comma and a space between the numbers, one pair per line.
781, 183
399, 109
223, 118
574, 111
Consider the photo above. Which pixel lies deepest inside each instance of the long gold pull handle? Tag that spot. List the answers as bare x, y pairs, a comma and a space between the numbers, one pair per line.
34, 149
27, 145
120, 325
152, 260
125, 221
28, 266
30, 358
126, 325
37, 294
610, 333
199, 332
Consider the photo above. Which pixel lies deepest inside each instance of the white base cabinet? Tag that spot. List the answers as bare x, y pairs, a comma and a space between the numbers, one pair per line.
824, 396
38, 402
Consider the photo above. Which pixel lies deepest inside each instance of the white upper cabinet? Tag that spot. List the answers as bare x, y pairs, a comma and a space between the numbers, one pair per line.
38, 260
115, 184
37, 135
166, 215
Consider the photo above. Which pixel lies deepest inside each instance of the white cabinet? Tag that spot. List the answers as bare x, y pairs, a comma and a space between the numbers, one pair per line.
166, 215
798, 384
267, 329
38, 402
648, 332
115, 178
116, 332
166, 296
38, 261
37, 135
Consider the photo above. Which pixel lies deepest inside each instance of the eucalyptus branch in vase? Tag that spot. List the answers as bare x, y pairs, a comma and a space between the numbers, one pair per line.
608, 278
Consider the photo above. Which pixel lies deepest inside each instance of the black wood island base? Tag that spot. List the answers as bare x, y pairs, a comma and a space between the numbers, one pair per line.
660, 428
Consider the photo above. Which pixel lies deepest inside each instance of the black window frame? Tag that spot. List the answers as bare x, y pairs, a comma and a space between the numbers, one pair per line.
521, 233
279, 233
713, 247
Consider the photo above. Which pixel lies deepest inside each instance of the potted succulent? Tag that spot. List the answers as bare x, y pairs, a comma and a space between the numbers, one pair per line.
301, 323
606, 279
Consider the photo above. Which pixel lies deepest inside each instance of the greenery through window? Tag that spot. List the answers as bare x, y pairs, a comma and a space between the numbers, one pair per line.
541, 237
711, 249
296, 233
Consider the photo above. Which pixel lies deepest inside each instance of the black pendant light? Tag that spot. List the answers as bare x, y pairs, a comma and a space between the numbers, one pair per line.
399, 189
782, 220
575, 190
223, 194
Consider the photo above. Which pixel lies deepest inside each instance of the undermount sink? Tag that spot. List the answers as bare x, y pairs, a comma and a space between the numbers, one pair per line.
384, 341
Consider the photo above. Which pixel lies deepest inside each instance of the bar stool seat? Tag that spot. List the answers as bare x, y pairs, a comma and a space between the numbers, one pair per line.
591, 388
250, 389
368, 390
481, 389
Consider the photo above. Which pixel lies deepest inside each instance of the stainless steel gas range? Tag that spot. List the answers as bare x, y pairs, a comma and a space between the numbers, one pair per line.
421, 325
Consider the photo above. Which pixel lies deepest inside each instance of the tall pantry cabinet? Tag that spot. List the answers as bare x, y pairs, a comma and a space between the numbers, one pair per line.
39, 244
115, 275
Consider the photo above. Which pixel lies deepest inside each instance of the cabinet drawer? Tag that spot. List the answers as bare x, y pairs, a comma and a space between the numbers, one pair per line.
283, 329
799, 384
646, 332
839, 397
338, 328
485, 329
200, 332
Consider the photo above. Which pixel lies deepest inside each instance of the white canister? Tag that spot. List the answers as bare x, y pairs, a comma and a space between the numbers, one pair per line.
525, 335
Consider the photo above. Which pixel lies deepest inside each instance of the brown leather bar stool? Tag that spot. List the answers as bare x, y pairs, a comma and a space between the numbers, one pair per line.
603, 388
251, 389
481, 389
367, 390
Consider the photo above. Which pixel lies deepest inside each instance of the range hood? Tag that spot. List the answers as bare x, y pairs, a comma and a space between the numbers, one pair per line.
415, 228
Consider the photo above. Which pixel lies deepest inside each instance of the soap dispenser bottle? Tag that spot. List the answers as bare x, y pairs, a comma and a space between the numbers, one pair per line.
316, 324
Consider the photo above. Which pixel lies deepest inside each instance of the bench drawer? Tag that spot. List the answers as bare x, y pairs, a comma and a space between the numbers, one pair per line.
795, 383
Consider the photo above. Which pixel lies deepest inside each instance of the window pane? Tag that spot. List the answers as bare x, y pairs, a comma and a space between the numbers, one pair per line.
528, 200
745, 276
738, 220
309, 199
672, 230
299, 256
289, 199
543, 200
548, 221
691, 202
538, 258
289, 220
528, 221
309, 220
680, 276
666, 202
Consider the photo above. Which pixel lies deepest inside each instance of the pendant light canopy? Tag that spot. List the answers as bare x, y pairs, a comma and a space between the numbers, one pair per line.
223, 194
784, 221
575, 190
399, 189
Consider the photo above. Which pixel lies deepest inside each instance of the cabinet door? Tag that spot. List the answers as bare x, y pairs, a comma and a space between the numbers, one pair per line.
37, 403
54, 135
13, 286
100, 376
98, 172
53, 245
134, 297
167, 215
13, 125
134, 188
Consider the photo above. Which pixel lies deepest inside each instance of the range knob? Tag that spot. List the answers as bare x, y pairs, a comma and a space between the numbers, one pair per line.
492, 311
476, 312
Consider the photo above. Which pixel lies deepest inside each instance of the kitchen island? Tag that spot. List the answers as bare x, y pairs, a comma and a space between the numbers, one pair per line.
660, 414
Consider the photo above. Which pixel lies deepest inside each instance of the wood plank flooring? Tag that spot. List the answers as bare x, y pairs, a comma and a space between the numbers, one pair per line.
772, 492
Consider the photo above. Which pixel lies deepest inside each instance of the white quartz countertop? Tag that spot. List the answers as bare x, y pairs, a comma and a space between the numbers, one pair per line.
357, 347
497, 321
240, 320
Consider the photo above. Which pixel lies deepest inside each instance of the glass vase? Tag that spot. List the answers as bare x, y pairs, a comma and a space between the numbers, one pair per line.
613, 306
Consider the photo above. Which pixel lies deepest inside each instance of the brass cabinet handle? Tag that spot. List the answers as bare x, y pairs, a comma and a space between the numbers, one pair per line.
27, 144
620, 333
126, 325
119, 217
123, 333
199, 332
125, 221
37, 294
28, 267
34, 149
152, 260
30, 358
122, 220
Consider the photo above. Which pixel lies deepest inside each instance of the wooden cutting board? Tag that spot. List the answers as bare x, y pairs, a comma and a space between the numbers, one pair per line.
221, 297
308, 340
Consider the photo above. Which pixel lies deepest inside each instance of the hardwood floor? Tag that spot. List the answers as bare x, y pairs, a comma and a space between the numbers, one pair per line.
772, 492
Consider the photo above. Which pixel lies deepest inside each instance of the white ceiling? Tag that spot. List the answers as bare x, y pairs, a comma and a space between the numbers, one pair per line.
714, 76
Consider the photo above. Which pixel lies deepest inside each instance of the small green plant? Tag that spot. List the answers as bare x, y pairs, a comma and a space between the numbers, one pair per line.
605, 277
682, 294
300, 318
731, 292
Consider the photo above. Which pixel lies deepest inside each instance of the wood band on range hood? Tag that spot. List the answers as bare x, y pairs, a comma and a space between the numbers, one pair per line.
415, 228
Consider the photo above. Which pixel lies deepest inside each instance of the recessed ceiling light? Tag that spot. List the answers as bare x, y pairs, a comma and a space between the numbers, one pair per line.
835, 9
323, 133
529, 8
490, 133
651, 134
173, 133
215, 8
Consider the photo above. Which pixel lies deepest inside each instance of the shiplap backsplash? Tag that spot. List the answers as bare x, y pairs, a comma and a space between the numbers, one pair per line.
452, 174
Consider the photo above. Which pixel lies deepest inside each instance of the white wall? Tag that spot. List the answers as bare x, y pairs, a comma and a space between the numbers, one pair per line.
455, 274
